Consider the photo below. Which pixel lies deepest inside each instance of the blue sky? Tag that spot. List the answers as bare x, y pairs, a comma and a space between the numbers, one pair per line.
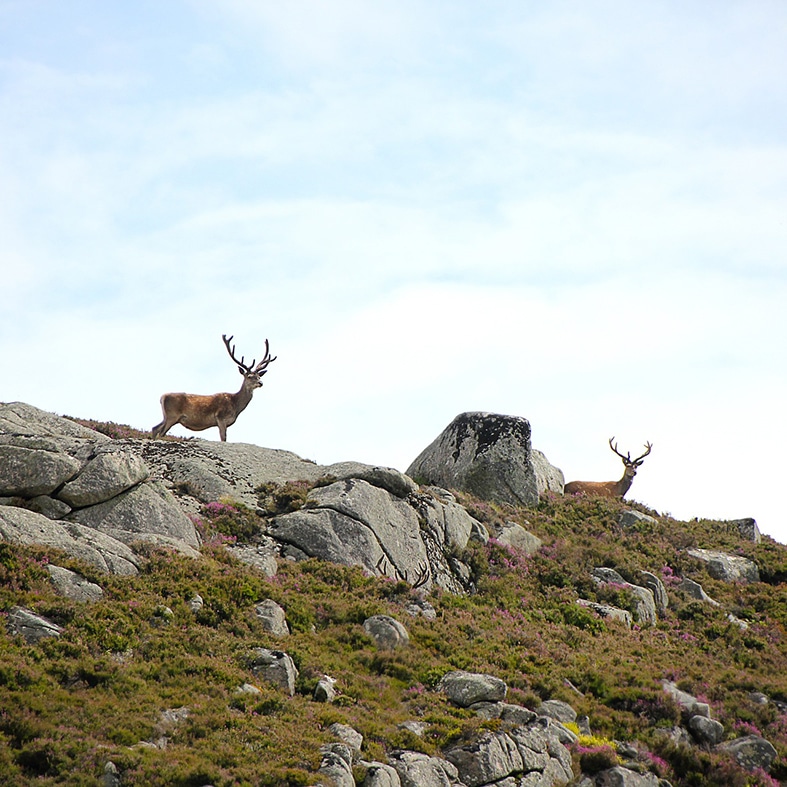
575, 212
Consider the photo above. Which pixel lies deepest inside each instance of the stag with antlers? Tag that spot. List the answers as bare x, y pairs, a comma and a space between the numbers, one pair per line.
611, 488
198, 412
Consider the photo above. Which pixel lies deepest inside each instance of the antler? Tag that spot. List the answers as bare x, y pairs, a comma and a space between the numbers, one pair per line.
423, 575
381, 565
262, 365
648, 447
627, 458
250, 368
421, 578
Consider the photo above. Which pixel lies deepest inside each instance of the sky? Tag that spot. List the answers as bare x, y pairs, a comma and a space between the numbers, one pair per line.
574, 212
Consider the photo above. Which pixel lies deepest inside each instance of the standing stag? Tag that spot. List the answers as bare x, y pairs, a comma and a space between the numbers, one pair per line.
197, 412
610, 488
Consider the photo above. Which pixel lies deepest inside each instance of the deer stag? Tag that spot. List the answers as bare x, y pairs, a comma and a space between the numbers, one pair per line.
197, 412
610, 488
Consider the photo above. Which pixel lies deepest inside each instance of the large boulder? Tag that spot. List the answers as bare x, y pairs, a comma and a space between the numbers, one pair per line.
394, 522
487, 455
147, 512
328, 535
548, 477
359, 524
694, 590
607, 612
387, 632
272, 618
337, 765
659, 591
421, 770
542, 752
689, 704
747, 529
514, 535
378, 774
276, 667
490, 758
631, 518
557, 710
105, 476
20, 526
31, 627
71, 585
643, 597
751, 752
623, 777
31, 472
95, 491
347, 735
467, 688
532, 749
728, 568
706, 731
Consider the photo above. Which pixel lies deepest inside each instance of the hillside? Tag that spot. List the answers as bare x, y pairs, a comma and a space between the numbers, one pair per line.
157, 679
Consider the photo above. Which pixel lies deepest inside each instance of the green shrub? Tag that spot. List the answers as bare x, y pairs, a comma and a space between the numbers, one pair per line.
283, 498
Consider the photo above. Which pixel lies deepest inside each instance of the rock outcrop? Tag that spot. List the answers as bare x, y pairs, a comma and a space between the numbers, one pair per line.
30, 626
728, 568
20, 526
76, 490
90, 486
490, 456
74, 586
274, 666
645, 611
467, 688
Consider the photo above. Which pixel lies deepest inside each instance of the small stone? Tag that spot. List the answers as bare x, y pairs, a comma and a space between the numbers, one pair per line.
387, 633
195, 603
272, 617
325, 690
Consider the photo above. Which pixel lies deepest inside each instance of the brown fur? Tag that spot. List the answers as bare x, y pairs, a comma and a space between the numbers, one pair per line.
197, 412
602, 488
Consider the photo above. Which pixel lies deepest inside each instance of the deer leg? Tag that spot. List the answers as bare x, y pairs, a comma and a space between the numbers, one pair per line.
222, 431
159, 430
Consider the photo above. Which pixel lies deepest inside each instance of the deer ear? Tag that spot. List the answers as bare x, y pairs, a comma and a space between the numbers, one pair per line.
242, 370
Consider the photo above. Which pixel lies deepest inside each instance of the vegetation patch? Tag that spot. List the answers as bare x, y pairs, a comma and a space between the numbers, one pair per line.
101, 691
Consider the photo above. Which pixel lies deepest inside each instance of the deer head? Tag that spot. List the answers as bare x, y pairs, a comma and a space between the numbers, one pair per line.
630, 465
251, 373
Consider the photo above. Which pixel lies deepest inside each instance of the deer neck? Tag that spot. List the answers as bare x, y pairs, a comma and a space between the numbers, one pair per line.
243, 397
625, 483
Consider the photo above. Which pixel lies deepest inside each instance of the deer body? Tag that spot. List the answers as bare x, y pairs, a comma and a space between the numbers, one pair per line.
610, 488
602, 488
197, 412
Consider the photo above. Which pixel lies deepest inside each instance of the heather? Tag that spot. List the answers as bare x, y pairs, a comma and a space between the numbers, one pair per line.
97, 693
